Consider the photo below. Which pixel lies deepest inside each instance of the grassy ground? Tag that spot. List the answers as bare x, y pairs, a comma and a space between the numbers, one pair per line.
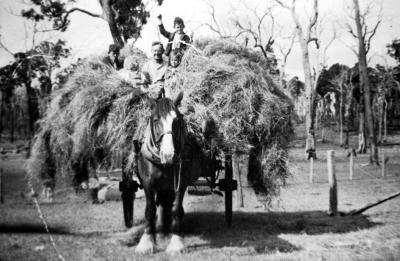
295, 227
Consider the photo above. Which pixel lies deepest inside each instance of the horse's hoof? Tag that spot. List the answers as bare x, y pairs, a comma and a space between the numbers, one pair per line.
146, 245
175, 245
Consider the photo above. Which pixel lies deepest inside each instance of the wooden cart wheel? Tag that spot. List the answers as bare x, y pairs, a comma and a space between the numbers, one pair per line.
228, 189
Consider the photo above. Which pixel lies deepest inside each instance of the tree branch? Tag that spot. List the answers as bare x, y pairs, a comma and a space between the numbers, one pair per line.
350, 30
314, 18
372, 33
314, 39
65, 18
2, 46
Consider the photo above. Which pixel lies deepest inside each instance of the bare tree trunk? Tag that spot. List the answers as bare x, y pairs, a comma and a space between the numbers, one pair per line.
341, 116
385, 121
380, 122
109, 14
1, 114
304, 36
12, 121
365, 85
348, 118
310, 108
361, 131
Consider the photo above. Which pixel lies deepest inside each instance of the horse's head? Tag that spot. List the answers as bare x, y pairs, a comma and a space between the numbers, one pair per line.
166, 129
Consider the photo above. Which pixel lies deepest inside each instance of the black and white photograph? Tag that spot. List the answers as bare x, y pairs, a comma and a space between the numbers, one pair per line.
199, 130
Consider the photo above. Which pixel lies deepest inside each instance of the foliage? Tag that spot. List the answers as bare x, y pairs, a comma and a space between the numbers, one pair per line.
296, 87
394, 49
31, 71
331, 79
125, 17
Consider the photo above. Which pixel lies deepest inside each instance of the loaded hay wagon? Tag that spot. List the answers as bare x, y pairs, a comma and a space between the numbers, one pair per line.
232, 104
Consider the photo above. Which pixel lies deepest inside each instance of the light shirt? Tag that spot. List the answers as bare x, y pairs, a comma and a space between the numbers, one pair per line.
153, 72
177, 41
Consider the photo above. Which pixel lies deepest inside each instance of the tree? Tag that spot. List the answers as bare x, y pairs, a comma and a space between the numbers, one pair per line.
37, 63
394, 49
261, 31
305, 37
364, 41
336, 80
388, 89
285, 52
125, 18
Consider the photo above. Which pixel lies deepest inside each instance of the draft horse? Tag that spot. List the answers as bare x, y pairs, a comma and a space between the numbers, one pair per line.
168, 162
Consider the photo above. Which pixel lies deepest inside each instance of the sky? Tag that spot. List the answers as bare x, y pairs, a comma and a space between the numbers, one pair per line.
87, 35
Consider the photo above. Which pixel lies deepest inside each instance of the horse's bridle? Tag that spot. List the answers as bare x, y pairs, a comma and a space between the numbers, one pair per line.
154, 140
151, 151
151, 148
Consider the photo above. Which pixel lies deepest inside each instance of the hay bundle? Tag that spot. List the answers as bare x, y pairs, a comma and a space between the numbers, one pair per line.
90, 120
231, 94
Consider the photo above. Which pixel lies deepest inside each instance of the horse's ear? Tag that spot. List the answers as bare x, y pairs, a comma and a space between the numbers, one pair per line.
178, 99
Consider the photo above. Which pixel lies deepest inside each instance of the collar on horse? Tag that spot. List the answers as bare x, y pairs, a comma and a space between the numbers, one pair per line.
151, 151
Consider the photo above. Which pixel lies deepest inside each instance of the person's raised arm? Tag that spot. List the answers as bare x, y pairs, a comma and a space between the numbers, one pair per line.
161, 27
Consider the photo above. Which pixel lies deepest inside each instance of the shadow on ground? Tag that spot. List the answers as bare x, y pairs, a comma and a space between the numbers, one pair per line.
28, 228
260, 230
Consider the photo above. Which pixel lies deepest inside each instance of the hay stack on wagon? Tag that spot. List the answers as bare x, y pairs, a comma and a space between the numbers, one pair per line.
90, 120
234, 89
230, 98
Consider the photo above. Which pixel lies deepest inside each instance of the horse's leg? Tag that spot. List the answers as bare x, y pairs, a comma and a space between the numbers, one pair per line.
176, 242
147, 241
164, 203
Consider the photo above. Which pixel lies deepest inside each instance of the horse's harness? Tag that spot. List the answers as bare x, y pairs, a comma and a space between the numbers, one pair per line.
151, 151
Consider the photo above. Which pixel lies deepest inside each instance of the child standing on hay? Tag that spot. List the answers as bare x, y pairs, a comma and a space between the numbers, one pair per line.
176, 40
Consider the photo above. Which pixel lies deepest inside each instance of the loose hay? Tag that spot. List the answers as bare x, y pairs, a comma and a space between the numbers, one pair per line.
231, 98
233, 89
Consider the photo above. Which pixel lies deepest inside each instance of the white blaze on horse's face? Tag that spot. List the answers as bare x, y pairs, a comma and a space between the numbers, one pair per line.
167, 149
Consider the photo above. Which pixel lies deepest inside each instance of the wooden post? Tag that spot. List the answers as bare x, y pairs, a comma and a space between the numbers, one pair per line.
1, 186
383, 163
333, 210
228, 189
237, 175
341, 116
385, 122
311, 170
351, 166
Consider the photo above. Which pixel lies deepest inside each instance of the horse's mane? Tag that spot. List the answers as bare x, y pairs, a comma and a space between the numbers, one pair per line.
164, 106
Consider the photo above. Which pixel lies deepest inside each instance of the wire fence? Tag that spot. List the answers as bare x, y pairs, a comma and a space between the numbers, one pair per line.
348, 167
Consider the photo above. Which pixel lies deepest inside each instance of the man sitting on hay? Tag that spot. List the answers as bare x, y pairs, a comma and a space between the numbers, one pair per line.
153, 71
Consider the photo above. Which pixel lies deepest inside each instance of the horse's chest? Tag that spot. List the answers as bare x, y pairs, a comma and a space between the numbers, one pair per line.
157, 177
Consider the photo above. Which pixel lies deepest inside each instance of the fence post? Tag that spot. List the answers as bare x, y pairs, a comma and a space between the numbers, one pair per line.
1, 186
351, 166
237, 176
383, 163
311, 178
332, 184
